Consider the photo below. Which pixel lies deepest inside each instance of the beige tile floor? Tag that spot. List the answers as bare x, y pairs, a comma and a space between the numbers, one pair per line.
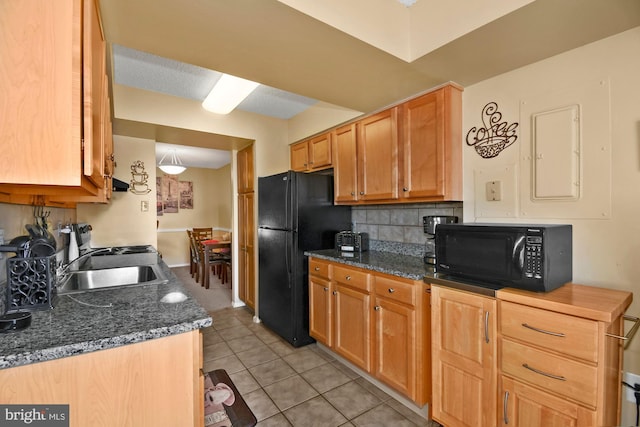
287, 386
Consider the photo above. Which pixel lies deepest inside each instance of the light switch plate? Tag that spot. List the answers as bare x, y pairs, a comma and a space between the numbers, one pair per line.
144, 206
494, 191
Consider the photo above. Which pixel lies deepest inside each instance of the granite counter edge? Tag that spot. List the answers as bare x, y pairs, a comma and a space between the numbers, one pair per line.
22, 359
368, 266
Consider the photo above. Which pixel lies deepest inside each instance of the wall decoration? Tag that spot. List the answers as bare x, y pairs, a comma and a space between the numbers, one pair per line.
170, 194
159, 209
186, 194
139, 179
495, 136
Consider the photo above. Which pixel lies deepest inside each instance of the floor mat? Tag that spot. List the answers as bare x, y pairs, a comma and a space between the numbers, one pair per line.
223, 404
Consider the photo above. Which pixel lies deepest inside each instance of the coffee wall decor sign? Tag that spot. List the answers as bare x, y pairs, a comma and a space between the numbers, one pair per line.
494, 135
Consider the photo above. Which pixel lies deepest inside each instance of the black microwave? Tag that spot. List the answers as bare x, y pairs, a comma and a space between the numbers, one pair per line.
531, 257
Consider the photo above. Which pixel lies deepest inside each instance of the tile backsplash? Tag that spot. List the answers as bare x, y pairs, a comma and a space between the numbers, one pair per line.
399, 223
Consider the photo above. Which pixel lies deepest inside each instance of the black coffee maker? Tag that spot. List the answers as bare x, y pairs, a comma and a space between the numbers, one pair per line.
430, 223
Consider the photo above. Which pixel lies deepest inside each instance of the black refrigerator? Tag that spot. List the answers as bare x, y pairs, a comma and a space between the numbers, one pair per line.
295, 214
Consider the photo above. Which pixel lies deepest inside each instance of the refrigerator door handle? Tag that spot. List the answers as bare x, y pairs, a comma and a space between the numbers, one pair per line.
287, 198
287, 255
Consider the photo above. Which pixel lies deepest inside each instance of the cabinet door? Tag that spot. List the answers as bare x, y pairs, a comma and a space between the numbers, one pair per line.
40, 83
431, 146
395, 345
345, 165
245, 170
94, 76
246, 263
463, 357
299, 156
352, 326
320, 151
423, 146
524, 406
320, 310
378, 156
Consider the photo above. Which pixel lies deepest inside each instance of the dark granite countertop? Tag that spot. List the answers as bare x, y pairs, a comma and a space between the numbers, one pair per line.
97, 320
396, 264
403, 265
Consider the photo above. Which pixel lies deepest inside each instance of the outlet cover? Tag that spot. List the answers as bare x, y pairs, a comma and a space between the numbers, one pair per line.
631, 379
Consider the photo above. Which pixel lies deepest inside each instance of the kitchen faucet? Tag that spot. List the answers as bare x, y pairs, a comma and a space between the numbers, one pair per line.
63, 268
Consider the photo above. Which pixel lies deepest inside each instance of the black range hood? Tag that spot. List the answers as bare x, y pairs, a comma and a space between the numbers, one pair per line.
118, 185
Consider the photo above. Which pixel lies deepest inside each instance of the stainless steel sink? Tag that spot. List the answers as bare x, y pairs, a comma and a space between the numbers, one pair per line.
87, 280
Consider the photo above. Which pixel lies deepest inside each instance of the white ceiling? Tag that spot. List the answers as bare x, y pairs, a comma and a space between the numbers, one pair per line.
150, 72
360, 54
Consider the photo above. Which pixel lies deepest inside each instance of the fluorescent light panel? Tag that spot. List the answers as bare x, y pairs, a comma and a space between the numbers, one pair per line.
227, 93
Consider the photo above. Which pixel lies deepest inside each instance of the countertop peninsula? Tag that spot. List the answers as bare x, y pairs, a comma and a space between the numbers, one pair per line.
97, 320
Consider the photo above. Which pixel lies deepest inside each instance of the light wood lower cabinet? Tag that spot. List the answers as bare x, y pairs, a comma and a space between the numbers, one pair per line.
152, 383
376, 321
463, 358
560, 362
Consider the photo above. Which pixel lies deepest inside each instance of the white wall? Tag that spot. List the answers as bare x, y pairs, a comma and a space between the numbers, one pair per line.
605, 249
122, 222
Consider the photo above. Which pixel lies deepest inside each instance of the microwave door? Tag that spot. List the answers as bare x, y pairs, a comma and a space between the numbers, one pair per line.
517, 256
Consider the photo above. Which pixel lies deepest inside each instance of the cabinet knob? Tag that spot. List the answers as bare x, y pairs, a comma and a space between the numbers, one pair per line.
325, 289
335, 292
317, 269
305, 164
376, 308
348, 277
353, 193
391, 290
310, 163
362, 193
405, 189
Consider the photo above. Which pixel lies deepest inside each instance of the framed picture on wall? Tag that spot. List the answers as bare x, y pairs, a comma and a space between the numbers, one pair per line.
170, 194
159, 209
186, 194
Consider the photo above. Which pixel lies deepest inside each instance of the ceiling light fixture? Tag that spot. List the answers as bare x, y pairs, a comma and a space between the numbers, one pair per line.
228, 92
174, 167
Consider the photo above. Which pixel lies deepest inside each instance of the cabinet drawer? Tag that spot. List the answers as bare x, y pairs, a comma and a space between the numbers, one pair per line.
566, 334
394, 290
319, 268
566, 377
352, 277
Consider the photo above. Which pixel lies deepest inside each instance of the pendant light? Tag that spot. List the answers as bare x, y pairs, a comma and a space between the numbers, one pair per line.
173, 166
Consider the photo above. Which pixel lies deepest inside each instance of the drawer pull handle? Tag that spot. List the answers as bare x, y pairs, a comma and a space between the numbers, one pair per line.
348, 277
391, 290
505, 407
317, 269
631, 332
542, 331
537, 371
376, 308
486, 327
325, 289
335, 292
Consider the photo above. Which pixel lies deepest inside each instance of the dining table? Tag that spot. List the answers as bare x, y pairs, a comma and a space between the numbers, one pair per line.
208, 246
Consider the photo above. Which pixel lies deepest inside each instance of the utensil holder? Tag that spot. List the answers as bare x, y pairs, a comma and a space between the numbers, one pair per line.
30, 283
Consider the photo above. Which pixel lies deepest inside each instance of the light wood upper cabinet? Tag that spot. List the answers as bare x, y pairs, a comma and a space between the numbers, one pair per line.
366, 159
431, 146
377, 155
345, 165
464, 368
409, 153
313, 154
52, 81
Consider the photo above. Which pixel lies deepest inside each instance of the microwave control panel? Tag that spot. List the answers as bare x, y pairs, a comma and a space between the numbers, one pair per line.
533, 256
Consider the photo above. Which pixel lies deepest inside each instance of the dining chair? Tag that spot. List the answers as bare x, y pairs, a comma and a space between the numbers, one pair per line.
193, 256
197, 257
